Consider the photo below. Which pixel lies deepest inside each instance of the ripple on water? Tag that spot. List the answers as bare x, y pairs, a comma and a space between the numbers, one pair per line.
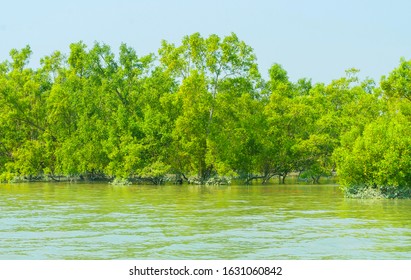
179, 222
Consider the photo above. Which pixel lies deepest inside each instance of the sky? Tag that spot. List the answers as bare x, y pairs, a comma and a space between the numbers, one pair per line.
315, 39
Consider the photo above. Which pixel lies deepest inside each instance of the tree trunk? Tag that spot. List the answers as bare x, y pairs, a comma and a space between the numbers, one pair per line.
316, 179
283, 179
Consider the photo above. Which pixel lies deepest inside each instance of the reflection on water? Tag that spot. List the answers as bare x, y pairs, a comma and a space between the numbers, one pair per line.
97, 221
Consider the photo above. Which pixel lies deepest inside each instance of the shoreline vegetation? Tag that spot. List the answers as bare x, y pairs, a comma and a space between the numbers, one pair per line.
200, 112
170, 179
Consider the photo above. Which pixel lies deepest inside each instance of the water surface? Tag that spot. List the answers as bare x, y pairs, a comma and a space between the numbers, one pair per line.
99, 221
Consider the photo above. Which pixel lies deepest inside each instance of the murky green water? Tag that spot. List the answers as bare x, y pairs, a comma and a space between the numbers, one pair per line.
98, 221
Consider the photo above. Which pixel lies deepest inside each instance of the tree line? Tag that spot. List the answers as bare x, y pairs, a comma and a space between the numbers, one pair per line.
198, 111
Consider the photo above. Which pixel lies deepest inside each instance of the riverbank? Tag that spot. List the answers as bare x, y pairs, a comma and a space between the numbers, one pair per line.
356, 192
173, 179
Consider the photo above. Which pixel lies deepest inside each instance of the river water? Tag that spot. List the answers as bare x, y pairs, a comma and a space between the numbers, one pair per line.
99, 221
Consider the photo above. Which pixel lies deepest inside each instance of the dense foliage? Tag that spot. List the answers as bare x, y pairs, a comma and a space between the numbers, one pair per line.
199, 112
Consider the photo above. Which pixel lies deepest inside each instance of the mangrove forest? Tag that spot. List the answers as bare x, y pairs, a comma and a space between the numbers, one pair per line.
199, 112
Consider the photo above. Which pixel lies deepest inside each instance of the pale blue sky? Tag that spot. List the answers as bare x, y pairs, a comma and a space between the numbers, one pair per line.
317, 39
